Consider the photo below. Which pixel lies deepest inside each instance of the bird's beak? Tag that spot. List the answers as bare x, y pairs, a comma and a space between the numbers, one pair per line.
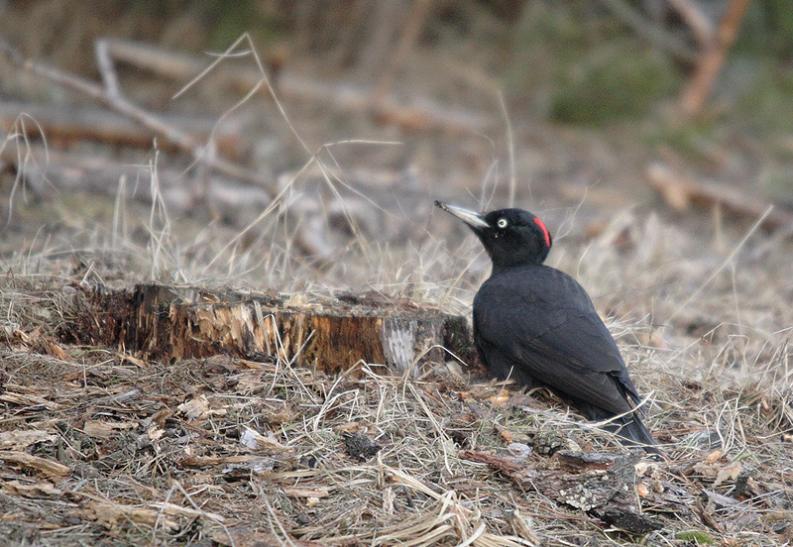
473, 219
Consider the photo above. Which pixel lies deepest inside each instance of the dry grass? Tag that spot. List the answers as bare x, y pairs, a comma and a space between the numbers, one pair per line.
103, 447
238, 451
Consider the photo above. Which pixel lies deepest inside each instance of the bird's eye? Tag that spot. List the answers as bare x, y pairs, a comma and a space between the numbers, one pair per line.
502, 223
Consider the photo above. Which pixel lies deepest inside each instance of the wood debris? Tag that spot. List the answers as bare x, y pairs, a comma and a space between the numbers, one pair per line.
113, 514
49, 467
681, 191
64, 125
423, 115
21, 439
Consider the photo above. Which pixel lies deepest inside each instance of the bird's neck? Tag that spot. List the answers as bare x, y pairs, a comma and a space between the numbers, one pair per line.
504, 265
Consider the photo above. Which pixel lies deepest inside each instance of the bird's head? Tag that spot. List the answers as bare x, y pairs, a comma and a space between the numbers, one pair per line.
512, 237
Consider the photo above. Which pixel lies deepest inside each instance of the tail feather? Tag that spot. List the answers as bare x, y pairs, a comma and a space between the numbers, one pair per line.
629, 428
632, 432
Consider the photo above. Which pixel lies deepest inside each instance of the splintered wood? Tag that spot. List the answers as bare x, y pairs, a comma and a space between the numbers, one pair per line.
169, 323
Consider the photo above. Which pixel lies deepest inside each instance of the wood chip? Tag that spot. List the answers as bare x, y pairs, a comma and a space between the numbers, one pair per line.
173, 509
111, 514
48, 467
317, 492
21, 439
103, 429
35, 490
22, 399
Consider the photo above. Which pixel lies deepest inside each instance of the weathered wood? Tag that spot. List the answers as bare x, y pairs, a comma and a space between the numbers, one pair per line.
69, 123
713, 55
421, 115
679, 191
153, 122
181, 191
600, 484
334, 334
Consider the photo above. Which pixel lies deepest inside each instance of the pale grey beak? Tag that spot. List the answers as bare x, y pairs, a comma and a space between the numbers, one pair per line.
472, 218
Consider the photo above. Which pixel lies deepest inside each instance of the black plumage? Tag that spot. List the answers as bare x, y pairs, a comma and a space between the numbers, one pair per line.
538, 326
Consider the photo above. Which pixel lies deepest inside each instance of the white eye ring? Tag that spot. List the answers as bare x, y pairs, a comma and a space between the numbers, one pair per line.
502, 223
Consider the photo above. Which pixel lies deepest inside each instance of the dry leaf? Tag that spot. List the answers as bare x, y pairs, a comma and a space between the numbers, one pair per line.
195, 408
256, 441
55, 350
154, 433
730, 472
23, 399
714, 456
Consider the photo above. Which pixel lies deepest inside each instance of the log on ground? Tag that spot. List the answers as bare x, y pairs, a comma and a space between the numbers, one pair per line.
65, 124
332, 333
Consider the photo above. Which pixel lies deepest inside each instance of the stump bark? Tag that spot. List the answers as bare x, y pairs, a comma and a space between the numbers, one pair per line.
331, 333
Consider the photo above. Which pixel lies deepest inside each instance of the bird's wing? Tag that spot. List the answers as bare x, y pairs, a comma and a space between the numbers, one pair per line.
561, 342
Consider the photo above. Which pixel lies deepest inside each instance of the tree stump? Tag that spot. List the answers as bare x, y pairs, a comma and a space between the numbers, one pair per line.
331, 333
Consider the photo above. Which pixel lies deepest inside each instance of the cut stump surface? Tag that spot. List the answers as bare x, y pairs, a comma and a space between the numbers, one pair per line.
333, 333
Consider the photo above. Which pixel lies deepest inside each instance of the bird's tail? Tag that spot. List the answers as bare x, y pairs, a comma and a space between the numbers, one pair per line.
632, 432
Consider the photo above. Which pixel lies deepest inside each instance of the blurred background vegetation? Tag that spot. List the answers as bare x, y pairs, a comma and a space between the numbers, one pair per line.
574, 62
604, 72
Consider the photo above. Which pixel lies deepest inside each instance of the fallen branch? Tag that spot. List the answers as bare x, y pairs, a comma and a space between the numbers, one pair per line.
421, 116
157, 124
324, 219
97, 175
48, 467
334, 334
67, 124
680, 191
712, 58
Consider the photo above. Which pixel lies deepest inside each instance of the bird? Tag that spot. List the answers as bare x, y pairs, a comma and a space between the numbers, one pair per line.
538, 326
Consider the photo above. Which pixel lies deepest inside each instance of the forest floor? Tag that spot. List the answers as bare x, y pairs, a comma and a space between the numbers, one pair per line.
102, 446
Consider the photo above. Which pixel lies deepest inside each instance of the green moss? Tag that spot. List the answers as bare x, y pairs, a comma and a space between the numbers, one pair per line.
691, 139
618, 82
227, 21
581, 65
767, 105
777, 183
767, 28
